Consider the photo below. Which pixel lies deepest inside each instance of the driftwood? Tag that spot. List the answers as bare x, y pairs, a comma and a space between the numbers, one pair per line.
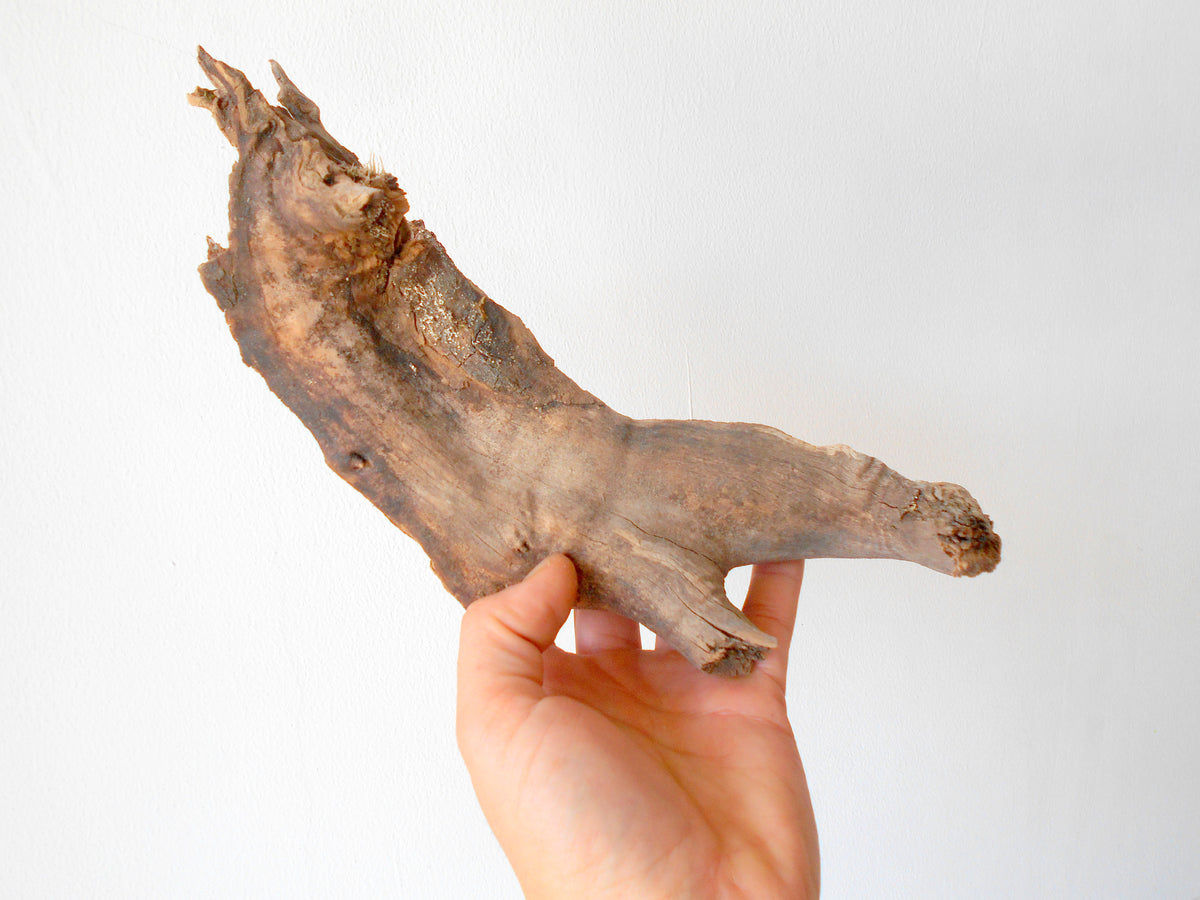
440, 407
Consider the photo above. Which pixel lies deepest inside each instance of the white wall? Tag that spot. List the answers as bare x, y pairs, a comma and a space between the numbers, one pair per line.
962, 236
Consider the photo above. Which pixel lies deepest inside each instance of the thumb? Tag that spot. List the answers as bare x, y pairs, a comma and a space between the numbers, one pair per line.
504, 636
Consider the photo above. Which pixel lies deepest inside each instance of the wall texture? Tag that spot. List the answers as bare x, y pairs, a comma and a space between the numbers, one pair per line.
961, 236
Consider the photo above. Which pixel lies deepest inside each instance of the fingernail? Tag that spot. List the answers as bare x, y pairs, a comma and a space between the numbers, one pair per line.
539, 567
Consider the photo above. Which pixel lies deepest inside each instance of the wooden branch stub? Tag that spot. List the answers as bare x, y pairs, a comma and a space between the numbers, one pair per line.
440, 407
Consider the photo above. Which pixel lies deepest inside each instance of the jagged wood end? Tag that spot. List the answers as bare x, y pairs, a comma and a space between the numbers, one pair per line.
440, 406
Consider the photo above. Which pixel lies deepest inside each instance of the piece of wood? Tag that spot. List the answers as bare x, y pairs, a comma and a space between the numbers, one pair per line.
440, 407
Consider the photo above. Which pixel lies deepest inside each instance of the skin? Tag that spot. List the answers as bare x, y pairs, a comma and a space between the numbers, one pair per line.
621, 772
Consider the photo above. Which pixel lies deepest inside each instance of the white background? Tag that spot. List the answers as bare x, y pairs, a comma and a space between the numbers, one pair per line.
961, 236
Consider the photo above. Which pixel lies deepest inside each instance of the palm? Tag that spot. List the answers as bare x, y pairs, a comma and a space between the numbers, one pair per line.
629, 767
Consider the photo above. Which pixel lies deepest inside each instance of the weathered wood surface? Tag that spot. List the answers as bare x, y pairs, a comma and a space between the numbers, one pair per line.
440, 407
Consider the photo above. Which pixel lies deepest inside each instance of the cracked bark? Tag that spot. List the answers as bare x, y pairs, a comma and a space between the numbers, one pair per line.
440, 407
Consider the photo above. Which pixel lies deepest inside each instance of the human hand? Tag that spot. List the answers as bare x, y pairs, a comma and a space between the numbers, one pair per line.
619, 772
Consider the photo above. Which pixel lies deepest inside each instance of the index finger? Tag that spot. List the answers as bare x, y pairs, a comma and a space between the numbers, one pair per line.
771, 603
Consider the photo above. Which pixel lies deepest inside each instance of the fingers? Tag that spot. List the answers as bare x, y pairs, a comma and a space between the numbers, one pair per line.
771, 605
600, 629
504, 636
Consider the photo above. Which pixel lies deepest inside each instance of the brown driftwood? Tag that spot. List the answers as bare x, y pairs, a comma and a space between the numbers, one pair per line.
440, 407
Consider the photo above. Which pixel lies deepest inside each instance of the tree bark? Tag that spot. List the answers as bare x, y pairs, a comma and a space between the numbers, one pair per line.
440, 407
